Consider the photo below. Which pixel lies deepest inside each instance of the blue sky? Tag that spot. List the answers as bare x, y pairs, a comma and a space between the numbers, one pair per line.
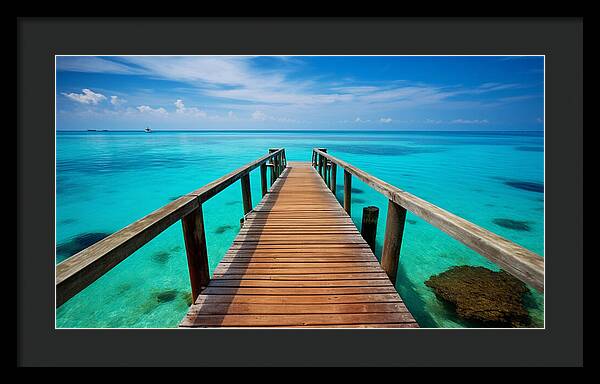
300, 92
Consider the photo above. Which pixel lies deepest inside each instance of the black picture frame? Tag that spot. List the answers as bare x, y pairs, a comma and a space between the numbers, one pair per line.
559, 344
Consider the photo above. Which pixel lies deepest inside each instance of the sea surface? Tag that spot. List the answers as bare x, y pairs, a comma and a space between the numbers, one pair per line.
107, 180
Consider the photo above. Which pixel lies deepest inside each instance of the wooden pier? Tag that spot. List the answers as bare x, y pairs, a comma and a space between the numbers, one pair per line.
298, 260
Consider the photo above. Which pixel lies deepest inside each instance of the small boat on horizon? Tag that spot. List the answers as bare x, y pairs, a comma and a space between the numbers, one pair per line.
147, 130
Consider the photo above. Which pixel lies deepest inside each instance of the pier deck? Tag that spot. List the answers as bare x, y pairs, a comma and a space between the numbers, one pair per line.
299, 261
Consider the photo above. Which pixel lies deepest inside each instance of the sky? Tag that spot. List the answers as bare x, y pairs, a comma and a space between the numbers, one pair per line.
435, 93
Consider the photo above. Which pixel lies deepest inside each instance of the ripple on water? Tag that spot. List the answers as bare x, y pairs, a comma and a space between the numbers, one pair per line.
386, 150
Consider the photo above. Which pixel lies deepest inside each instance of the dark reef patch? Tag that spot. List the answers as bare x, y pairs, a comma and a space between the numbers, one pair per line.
530, 149
359, 201
187, 297
411, 221
526, 185
166, 296
67, 221
386, 150
357, 191
161, 257
122, 288
223, 229
484, 296
233, 203
78, 243
518, 225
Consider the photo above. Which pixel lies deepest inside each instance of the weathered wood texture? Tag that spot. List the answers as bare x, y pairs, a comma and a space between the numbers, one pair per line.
368, 229
392, 241
299, 261
195, 248
82, 269
514, 259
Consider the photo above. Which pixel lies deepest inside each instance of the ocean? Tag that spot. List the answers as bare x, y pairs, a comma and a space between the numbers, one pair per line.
107, 180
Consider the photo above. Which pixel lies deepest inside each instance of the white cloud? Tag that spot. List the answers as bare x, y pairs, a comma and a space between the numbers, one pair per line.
148, 109
87, 97
115, 100
193, 111
92, 64
385, 120
258, 115
464, 121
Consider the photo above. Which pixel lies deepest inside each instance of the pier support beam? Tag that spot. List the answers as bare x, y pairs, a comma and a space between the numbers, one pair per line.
195, 249
263, 179
322, 161
368, 229
347, 191
275, 169
246, 195
394, 230
333, 181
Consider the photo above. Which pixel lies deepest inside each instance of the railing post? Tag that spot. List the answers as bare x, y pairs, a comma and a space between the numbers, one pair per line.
394, 230
272, 166
246, 196
275, 169
333, 180
368, 229
195, 249
322, 161
347, 191
263, 178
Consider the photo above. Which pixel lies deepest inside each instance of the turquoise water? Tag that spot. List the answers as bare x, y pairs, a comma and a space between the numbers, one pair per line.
106, 180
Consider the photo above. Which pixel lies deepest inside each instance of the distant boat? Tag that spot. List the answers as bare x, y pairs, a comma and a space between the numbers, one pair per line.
147, 130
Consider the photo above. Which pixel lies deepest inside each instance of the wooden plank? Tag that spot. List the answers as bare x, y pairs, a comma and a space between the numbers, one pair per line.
518, 261
201, 320
300, 299
293, 309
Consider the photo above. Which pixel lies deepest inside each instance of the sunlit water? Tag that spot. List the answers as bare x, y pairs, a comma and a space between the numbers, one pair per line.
106, 180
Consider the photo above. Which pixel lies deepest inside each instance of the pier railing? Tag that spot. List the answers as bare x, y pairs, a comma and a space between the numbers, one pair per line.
82, 269
514, 259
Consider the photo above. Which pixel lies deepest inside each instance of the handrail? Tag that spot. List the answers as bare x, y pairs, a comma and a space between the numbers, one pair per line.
80, 270
518, 261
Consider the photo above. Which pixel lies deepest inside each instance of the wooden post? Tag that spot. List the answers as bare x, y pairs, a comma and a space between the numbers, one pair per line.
394, 229
322, 162
246, 196
241, 222
368, 229
195, 249
347, 191
333, 182
275, 169
272, 173
263, 178
273, 166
